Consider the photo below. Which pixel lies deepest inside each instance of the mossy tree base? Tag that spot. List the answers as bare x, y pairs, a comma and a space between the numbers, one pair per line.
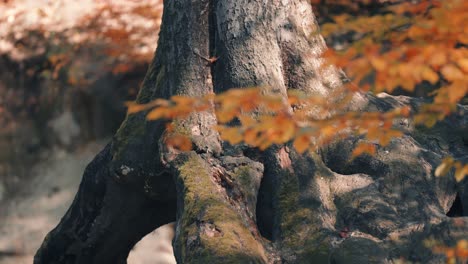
235, 204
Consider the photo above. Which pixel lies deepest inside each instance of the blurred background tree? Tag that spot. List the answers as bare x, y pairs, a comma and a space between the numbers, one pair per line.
66, 69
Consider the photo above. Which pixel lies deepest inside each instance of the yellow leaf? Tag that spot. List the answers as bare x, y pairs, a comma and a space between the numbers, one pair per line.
463, 64
388, 136
247, 120
273, 103
133, 107
373, 132
158, 113
230, 134
183, 100
405, 111
444, 167
461, 172
429, 75
285, 129
452, 72
251, 136
378, 63
462, 249
301, 143
408, 84
179, 142
437, 59
341, 19
457, 90
430, 121
225, 116
362, 148
264, 144
328, 131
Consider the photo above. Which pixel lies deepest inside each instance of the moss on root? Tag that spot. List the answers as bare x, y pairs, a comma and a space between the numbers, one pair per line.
133, 127
153, 82
246, 182
243, 175
301, 234
210, 229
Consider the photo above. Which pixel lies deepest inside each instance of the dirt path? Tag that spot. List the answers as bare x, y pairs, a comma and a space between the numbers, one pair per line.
26, 218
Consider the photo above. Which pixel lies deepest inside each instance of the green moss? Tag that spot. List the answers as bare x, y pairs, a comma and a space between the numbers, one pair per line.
153, 82
321, 170
243, 175
300, 229
180, 127
288, 204
232, 242
134, 126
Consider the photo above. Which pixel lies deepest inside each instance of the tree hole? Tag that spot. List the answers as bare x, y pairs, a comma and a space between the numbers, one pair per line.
265, 209
456, 210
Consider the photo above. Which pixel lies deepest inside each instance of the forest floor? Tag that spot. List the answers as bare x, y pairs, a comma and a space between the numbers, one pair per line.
40, 202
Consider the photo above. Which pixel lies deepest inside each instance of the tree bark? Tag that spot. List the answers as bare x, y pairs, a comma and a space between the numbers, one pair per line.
236, 204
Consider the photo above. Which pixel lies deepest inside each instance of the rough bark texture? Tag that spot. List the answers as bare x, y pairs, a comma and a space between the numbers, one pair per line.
235, 204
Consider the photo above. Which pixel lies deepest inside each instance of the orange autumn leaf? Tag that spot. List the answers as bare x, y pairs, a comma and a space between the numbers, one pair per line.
133, 107
437, 59
429, 75
301, 143
179, 142
183, 100
388, 135
285, 128
461, 172
247, 120
452, 72
457, 90
463, 64
230, 134
444, 167
461, 249
378, 63
364, 148
158, 113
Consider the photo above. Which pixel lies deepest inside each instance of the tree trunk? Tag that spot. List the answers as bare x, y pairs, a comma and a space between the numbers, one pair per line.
236, 204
